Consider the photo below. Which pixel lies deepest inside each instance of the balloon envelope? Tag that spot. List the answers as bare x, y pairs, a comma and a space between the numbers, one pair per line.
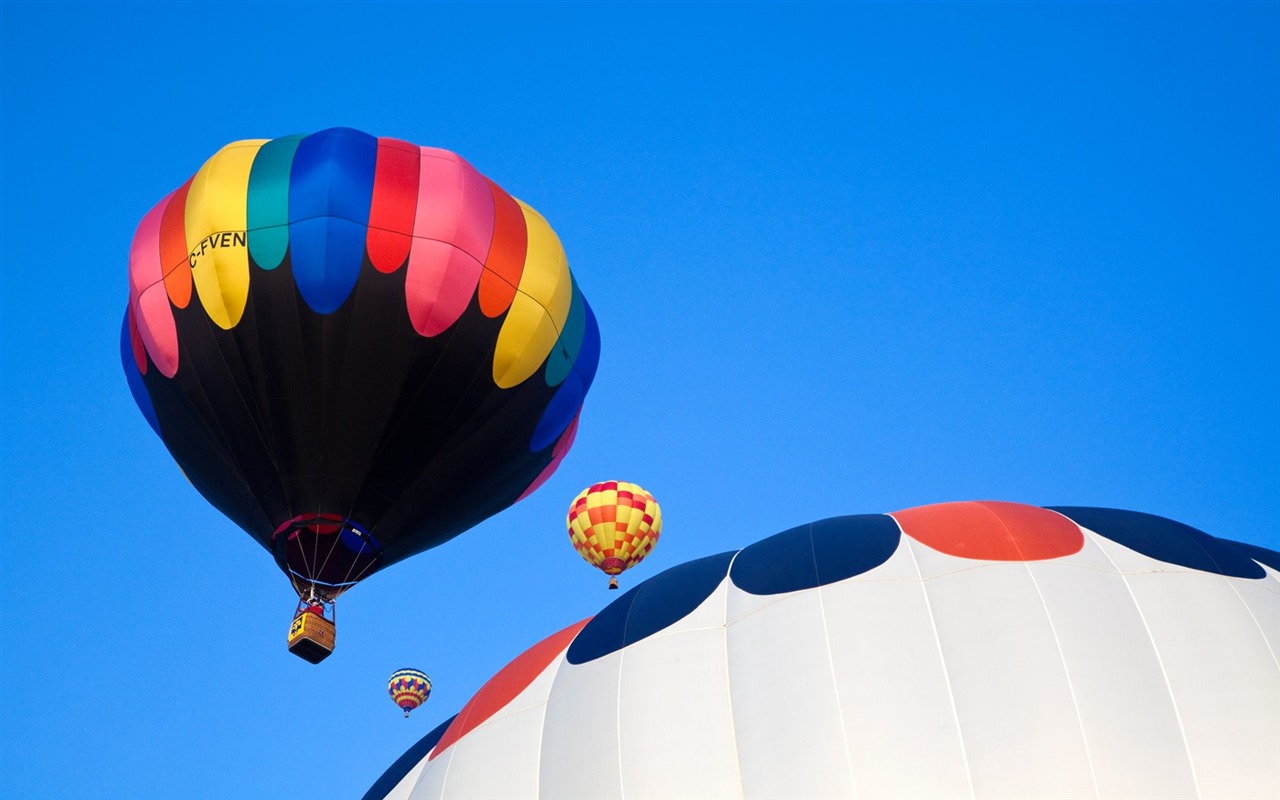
959, 650
409, 688
354, 347
613, 525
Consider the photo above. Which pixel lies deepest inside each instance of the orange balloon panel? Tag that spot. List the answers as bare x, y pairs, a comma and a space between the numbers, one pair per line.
614, 525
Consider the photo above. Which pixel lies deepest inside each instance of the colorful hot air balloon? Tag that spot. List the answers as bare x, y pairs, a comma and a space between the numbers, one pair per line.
963, 650
354, 347
409, 688
613, 526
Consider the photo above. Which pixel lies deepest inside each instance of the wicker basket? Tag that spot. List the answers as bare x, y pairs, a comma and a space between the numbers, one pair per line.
311, 637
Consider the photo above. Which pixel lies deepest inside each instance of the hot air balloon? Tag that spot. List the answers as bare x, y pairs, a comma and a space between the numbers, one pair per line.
613, 525
355, 348
409, 688
966, 650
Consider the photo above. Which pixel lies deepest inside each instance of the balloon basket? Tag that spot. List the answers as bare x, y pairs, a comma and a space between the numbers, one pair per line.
311, 637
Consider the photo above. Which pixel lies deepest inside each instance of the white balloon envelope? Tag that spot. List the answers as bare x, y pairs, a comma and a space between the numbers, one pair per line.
967, 650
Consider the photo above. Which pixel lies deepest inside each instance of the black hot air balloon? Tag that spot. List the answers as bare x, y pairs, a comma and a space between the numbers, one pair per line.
354, 347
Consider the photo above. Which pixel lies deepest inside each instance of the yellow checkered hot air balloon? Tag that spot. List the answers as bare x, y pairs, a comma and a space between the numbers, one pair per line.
613, 525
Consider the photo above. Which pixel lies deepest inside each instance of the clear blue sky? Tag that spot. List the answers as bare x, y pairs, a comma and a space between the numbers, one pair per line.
845, 258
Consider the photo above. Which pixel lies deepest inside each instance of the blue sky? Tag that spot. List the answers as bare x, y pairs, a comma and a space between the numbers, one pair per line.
845, 258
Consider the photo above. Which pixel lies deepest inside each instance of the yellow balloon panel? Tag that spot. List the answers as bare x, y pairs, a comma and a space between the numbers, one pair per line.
614, 525
541, 305
215, 226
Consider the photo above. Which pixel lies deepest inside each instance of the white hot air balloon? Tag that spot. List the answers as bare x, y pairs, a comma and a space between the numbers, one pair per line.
967, 650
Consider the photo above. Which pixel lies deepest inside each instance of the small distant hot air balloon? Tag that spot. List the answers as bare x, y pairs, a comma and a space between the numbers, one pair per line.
613, 525
409, 688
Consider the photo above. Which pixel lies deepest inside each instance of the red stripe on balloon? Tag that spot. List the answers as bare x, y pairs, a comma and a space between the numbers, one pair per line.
394, 204
992, 530
173, 248
505, 264
502, 688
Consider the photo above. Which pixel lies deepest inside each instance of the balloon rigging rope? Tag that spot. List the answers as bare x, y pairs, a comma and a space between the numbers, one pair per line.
470, 414
387, 437
306, 564
347, 580
315, 574
327, 555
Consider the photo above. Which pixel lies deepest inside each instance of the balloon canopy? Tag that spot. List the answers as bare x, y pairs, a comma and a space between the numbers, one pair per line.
613, 525
968, 650
409, 688
354, 347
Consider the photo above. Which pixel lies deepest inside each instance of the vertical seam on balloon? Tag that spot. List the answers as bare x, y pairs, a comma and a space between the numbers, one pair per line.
141, 319
546, 312
322, 188
493, 228
626, 624
494, 191
295, 328
559, 663
1008, 534
452, 444
1164, 674
202, 226
251, 410
137, 248
831, 662
448, 765
385, 145
1253, 617
260, 422
355, 497
1195, 542
458, 226
515, 289
178, 208
220, 439
540, 739
590, 332
557, 328
326, 191
325, 319
1249, 610
617, 717
1071, 689
415, 239
414, 775
1270, 578
937, 640
394, 425
728, 584
576, 303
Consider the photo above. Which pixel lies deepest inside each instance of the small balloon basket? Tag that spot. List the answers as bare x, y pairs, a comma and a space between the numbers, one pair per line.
311, 635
